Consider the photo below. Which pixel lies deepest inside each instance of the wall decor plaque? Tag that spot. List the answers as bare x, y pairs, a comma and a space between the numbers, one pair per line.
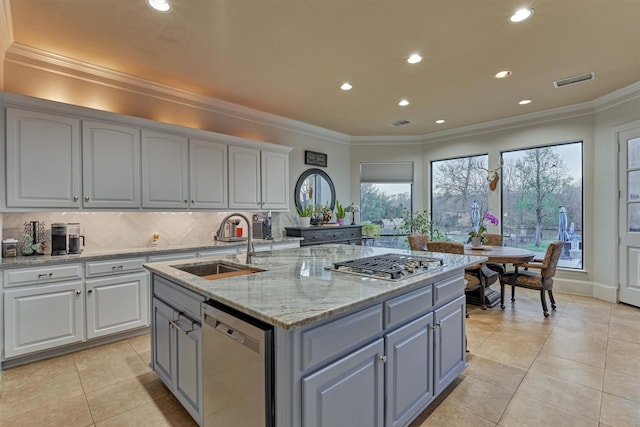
314, 158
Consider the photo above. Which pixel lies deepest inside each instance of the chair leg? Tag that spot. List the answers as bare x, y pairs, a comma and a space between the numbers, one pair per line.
553, 301
544, 304
513, 293
501, 294
484, 305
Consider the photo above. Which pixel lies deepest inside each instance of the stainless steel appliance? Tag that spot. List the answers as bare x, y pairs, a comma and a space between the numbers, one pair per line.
58, 239
73, 228
262, 226
388, 266
237, 368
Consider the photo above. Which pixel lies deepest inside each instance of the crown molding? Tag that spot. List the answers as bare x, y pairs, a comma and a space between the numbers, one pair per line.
36, 58
6, 26
386, 140
617, 97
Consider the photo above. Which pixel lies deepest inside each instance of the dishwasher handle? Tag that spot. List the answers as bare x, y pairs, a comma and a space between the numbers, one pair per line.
243, 338
227, 330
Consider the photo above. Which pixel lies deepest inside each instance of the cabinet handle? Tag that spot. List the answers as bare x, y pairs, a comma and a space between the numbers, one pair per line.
116, 267
185, 202
41, 275
86, 198
78, 292
89, 291
383, 359
175, 325
193, 202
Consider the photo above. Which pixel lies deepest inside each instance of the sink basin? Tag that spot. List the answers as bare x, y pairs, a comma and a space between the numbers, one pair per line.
218, 269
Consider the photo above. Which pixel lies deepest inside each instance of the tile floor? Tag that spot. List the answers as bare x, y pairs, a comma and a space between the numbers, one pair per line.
579, 367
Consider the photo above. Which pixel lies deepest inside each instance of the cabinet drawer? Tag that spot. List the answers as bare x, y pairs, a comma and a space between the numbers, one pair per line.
26, 276
408, 306
181, 299
114, 266
448, 289
329, 340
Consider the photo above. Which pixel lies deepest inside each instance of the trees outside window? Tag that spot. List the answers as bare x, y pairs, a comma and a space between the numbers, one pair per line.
383, 204
536, 184
455, 185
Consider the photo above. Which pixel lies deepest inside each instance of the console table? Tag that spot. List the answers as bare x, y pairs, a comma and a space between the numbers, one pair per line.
320, 234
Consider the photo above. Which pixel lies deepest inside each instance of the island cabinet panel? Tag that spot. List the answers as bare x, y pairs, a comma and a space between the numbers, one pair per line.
449, 343
348, 392
409, 370
165, 170
43, 160
110, 165
407, 306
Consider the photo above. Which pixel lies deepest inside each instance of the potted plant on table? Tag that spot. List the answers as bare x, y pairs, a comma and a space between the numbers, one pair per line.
419, 222
340, 213
305, 212
476, 237
370, 229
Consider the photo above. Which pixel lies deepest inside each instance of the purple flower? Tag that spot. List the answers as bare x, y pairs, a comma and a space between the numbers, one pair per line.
491, 218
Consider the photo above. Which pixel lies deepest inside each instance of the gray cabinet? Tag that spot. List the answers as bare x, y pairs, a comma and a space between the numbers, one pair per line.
274, 173
347, 234
348, 392
42, 160
165, 170
449, 340
208, 174
409, 370
110, 165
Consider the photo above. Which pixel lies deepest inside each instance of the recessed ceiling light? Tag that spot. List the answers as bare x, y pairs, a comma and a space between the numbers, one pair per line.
440, 121
525, 102
414, 59
346, 86
403, 103
160, 5
502, 74
521, 15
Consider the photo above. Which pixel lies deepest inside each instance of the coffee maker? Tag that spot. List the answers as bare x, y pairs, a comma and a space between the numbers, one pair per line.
58, 239
262, 226
73, 228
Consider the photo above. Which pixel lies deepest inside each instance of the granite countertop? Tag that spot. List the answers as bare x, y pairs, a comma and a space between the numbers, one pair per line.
297, 289
87, 255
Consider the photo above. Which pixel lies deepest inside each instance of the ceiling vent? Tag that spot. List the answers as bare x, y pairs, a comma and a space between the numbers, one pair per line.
574, 79
400, 123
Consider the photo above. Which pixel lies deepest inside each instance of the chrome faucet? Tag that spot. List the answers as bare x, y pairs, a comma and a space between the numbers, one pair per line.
250, 248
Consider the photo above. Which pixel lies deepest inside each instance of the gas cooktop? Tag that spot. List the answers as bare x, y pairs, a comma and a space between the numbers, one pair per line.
388, 266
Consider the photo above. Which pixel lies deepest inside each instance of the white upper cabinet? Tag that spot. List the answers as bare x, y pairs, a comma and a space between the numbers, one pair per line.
244, 178
43, 160
258, 179
111, 165
208, 174
165, 170
275, 180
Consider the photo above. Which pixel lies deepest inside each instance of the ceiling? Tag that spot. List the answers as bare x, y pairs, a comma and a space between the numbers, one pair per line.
289, 57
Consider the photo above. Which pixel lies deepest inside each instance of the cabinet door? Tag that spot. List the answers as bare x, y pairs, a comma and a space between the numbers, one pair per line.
208, 174
165, 170
110, 166
275, 180
116, 304
163, 351
409, 370
244, 178
348, 392
188, 379
43, 160
43, 317
449, 343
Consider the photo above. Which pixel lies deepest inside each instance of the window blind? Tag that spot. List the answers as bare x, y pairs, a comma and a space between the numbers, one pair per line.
383, 172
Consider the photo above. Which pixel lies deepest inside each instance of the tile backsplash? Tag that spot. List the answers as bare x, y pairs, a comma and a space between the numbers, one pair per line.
122, 230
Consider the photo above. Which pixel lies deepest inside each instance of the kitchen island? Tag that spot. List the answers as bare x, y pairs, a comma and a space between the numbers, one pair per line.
347, 349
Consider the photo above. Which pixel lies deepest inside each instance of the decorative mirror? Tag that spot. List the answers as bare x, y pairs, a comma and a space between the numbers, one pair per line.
314, 187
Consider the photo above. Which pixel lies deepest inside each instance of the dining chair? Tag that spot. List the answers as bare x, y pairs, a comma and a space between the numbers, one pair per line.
541, 280
477, 276
495, 240
417, 242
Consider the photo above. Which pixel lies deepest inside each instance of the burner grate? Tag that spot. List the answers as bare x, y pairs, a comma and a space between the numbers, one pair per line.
396, 266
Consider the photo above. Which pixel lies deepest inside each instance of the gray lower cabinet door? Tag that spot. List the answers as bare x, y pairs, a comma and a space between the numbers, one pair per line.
449, 343
163, 346
348, 392
409, 370
189, 368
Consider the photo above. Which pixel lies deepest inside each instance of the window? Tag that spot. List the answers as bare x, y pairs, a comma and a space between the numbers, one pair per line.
385, 192
455, 185
542, 199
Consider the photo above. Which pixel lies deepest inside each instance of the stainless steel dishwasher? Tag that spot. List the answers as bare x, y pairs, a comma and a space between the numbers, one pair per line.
237, 369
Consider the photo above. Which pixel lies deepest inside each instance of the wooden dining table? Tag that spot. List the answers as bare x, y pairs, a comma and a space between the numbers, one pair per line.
496, 255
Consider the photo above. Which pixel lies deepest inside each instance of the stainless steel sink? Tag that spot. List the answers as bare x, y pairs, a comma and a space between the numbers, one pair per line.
218, 269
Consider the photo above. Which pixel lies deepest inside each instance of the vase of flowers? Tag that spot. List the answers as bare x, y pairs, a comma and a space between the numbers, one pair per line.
476, 237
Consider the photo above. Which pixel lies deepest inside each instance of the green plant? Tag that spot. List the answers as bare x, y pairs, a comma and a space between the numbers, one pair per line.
323, 213
340, 211
419, 222
305, 211
371, 229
